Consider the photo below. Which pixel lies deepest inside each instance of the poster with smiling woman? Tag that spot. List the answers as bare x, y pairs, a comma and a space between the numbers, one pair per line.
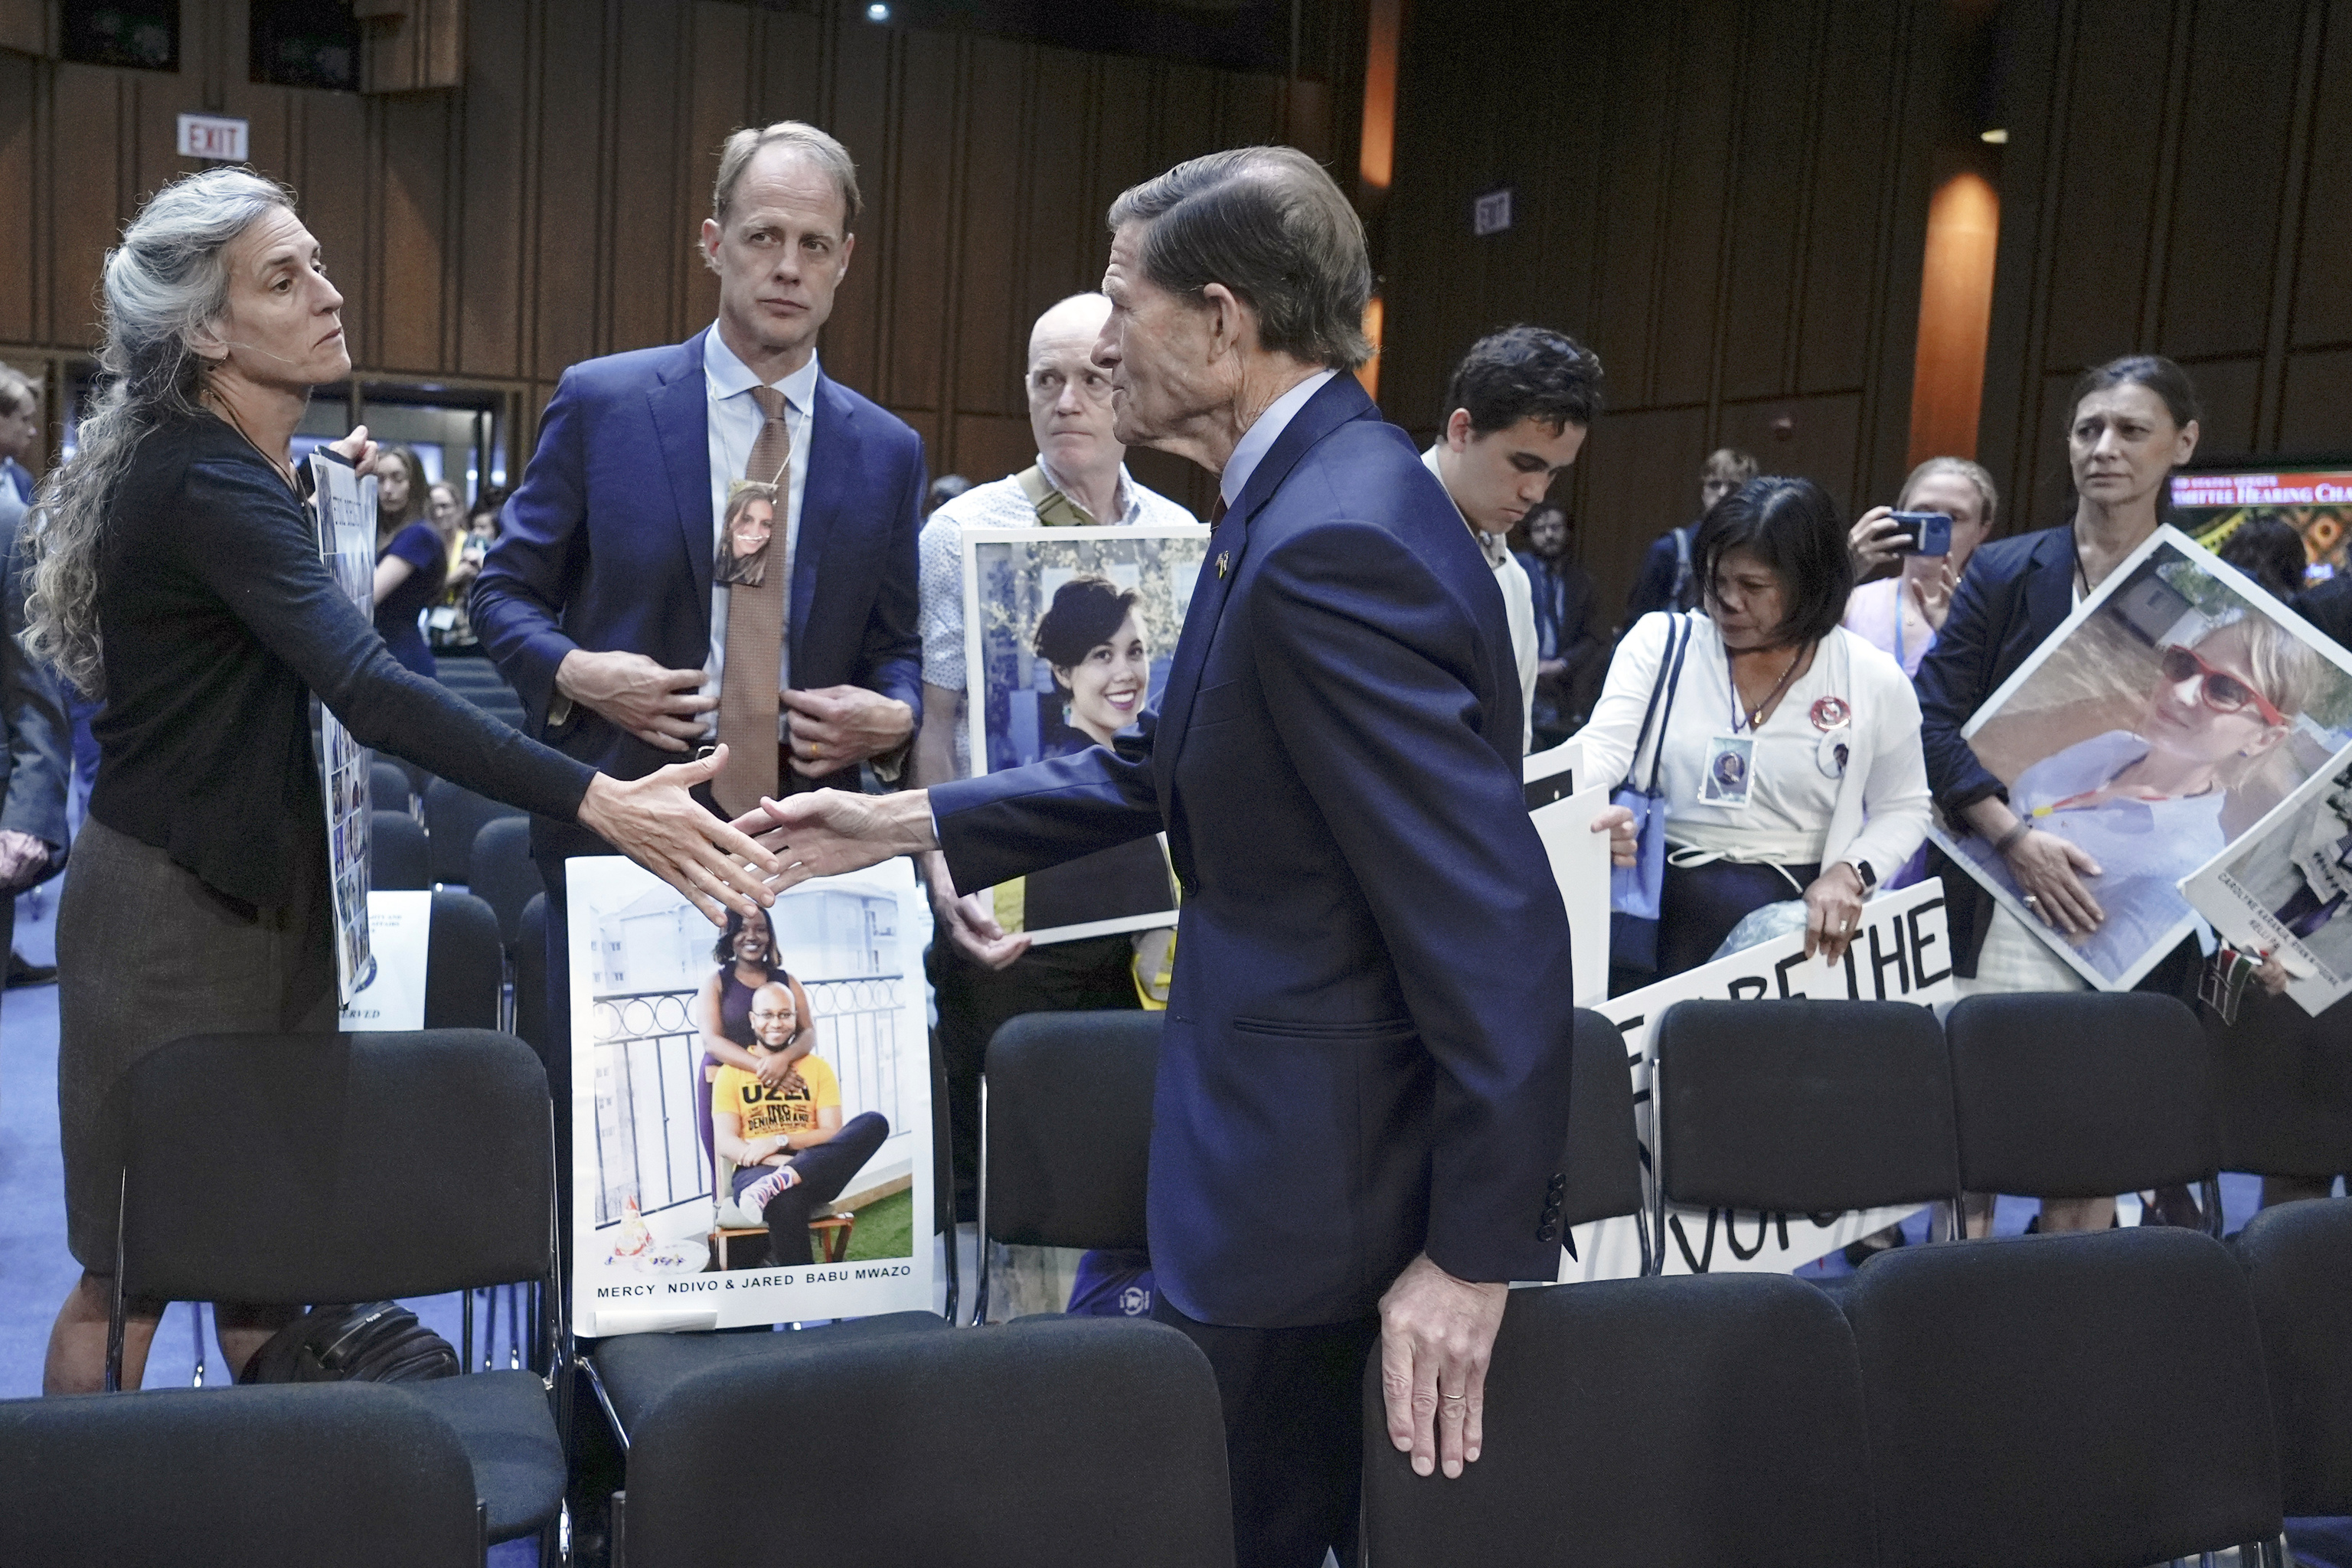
1069, 635
2171, 712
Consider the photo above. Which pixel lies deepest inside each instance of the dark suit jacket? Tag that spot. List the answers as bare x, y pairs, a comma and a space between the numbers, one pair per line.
1366, 1052
2015, 593
38, 758
2329, 607
608, 545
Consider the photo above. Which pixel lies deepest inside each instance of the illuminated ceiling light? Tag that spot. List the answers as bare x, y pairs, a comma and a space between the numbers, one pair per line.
878, 12
1998, 138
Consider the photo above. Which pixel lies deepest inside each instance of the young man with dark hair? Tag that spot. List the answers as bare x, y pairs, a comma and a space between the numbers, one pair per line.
1518, 407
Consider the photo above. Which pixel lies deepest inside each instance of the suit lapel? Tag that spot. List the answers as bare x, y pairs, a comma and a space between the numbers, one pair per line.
681, 415
1341, 399
834, 446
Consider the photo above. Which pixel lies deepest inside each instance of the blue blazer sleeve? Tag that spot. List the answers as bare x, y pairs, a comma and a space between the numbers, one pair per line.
1007, 825
890, 660
525, 580
1362, 655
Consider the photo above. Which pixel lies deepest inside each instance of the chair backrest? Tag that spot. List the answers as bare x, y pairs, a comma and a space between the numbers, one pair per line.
1604, 1154
398, 859
2298, 1262
1102, 1442
388, 786
1700, 1420
2281, 1087
531, 977
2081, 1094
464, 970
502, 874
1802, 1107
2087, 1398
301, 1168
453, 814
1067, 1129
358, 1474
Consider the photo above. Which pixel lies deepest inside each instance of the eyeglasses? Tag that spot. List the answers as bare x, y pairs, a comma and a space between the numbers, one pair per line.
2217, 688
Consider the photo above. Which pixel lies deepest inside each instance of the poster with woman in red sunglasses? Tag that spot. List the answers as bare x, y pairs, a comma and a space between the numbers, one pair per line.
2176, 708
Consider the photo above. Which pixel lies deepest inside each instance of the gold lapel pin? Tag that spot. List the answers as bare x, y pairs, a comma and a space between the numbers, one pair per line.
1225, 559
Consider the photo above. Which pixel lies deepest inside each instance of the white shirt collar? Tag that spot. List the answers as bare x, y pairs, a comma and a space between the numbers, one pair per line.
1123, 502
730, 378
1259, 438
1496, 547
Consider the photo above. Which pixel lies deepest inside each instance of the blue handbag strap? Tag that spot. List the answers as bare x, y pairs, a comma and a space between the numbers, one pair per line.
1669, 681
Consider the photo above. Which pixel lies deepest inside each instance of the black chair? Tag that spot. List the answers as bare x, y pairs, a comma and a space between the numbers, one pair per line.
530, 978
1700, 1421
502, 874
2090, 1399
1066, 1133
398, 857
1052, 1444
1799, 1107
2083, 1094
362, 1475
463, 970
2282, 1087
388, 786
1604, 1150
453, 814
303, 1168
2298, 1262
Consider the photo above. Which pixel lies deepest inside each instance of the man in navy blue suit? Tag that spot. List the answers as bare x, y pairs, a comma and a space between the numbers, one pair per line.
1363, 1079
602, 602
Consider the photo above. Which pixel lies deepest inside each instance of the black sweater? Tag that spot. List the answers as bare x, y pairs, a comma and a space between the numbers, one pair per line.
219, 620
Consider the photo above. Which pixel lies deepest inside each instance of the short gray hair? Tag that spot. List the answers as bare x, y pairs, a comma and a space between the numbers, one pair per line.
1964, 468
735, 156
1271, 226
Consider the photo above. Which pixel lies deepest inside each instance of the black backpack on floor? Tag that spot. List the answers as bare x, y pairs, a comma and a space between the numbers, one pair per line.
372, 1341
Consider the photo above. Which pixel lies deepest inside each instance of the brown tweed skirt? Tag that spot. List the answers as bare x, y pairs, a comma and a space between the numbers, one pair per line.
146, 954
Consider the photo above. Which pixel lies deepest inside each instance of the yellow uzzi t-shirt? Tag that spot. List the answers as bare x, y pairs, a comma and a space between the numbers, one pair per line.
767, 1112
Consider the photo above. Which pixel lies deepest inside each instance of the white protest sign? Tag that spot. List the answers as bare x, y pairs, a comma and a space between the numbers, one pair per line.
400, 934
346, 513
2284, 888
1901, 953
1580, 864
653, 1249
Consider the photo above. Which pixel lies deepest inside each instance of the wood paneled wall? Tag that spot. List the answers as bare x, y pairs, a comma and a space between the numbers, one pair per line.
1725, 198
2178, 180
544, 212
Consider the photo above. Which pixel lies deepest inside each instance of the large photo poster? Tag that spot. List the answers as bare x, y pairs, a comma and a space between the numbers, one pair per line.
2169, 715
748, 1151
346, 510
1900, 953
2284, 888
1069, 635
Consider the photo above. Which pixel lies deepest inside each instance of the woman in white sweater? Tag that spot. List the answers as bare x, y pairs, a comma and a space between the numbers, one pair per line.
1790, 761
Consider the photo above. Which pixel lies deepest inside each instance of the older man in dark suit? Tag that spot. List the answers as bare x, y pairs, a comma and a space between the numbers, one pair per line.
1363, 1083
602, 603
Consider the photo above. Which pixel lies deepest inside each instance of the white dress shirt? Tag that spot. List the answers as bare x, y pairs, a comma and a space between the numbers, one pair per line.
1259, 438
1518, 607
735, 422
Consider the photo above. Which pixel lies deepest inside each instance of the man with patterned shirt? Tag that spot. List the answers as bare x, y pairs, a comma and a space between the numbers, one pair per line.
983, 973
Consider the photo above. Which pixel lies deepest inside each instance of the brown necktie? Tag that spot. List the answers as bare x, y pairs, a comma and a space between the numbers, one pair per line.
748, 704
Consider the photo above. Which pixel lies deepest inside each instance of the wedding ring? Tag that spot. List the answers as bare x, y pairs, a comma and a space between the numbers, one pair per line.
1455, 1398
817, 749
2031, 902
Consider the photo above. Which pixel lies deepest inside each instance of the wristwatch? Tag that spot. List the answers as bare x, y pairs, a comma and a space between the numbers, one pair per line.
1862, 870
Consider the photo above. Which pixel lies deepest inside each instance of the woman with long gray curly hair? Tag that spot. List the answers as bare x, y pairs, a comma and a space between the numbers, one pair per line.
177, 572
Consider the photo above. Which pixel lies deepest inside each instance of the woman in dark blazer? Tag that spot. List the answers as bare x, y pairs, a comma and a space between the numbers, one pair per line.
178, 571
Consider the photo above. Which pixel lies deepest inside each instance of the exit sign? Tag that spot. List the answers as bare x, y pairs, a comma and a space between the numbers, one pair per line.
1491, 214
212, 136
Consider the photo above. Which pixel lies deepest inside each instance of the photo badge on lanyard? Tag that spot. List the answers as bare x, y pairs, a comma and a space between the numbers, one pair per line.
1730, 772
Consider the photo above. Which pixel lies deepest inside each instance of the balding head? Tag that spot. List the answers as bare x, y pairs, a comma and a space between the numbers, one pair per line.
1069, 395
775, 1017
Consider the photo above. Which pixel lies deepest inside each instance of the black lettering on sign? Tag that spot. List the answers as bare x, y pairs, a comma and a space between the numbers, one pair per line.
1825, 1221
1781, 1222
1920, 978
1899, 960
1780, 971
1749, 988
1852, 980
1707, 1254
1627, 1027
1731, 1236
